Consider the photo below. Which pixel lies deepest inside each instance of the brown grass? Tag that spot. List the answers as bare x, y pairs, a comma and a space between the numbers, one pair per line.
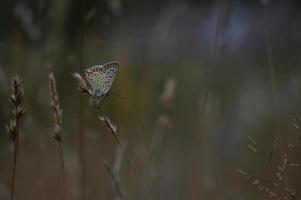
58, 120
280, 170
81, 136
16, 99
114, 172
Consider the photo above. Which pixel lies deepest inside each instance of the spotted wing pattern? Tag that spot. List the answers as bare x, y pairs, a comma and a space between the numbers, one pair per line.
101, 77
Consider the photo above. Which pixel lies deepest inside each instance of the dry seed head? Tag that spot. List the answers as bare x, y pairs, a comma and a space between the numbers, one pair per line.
273, 194
280, 169
252, 148
296, 121
165, 122
16, 99
82, 85
295, 165
242, 172
168, 94
252, 140
276, 143
11, 129
108, 123
17, 90
54, 104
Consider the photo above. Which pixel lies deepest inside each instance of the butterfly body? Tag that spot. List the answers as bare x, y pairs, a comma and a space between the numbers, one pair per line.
101, 77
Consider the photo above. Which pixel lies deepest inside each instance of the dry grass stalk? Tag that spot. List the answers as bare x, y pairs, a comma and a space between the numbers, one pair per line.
58, 120
82, 85
167, 97
259, 184
16, 99
81, 119
164, 126
297, 124
114, 172
164, 122
115, 182
280, 173
111, 127
84, 89
55, 105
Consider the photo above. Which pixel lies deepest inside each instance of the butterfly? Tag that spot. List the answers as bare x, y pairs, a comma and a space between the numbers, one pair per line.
101, 77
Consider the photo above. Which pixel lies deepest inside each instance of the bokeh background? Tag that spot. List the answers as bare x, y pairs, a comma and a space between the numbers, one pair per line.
208, 88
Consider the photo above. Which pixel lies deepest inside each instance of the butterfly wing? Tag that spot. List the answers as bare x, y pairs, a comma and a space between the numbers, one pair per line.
101, 77
110, 71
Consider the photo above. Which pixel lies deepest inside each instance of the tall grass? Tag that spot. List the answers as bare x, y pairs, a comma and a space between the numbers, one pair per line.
114, 172
57, 130
277, 188
13, 128
81, 118
210, 72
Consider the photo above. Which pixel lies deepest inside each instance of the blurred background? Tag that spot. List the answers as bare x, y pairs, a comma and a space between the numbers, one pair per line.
210, 90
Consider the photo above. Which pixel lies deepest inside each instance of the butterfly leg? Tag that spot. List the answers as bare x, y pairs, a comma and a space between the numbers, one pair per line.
108, 93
